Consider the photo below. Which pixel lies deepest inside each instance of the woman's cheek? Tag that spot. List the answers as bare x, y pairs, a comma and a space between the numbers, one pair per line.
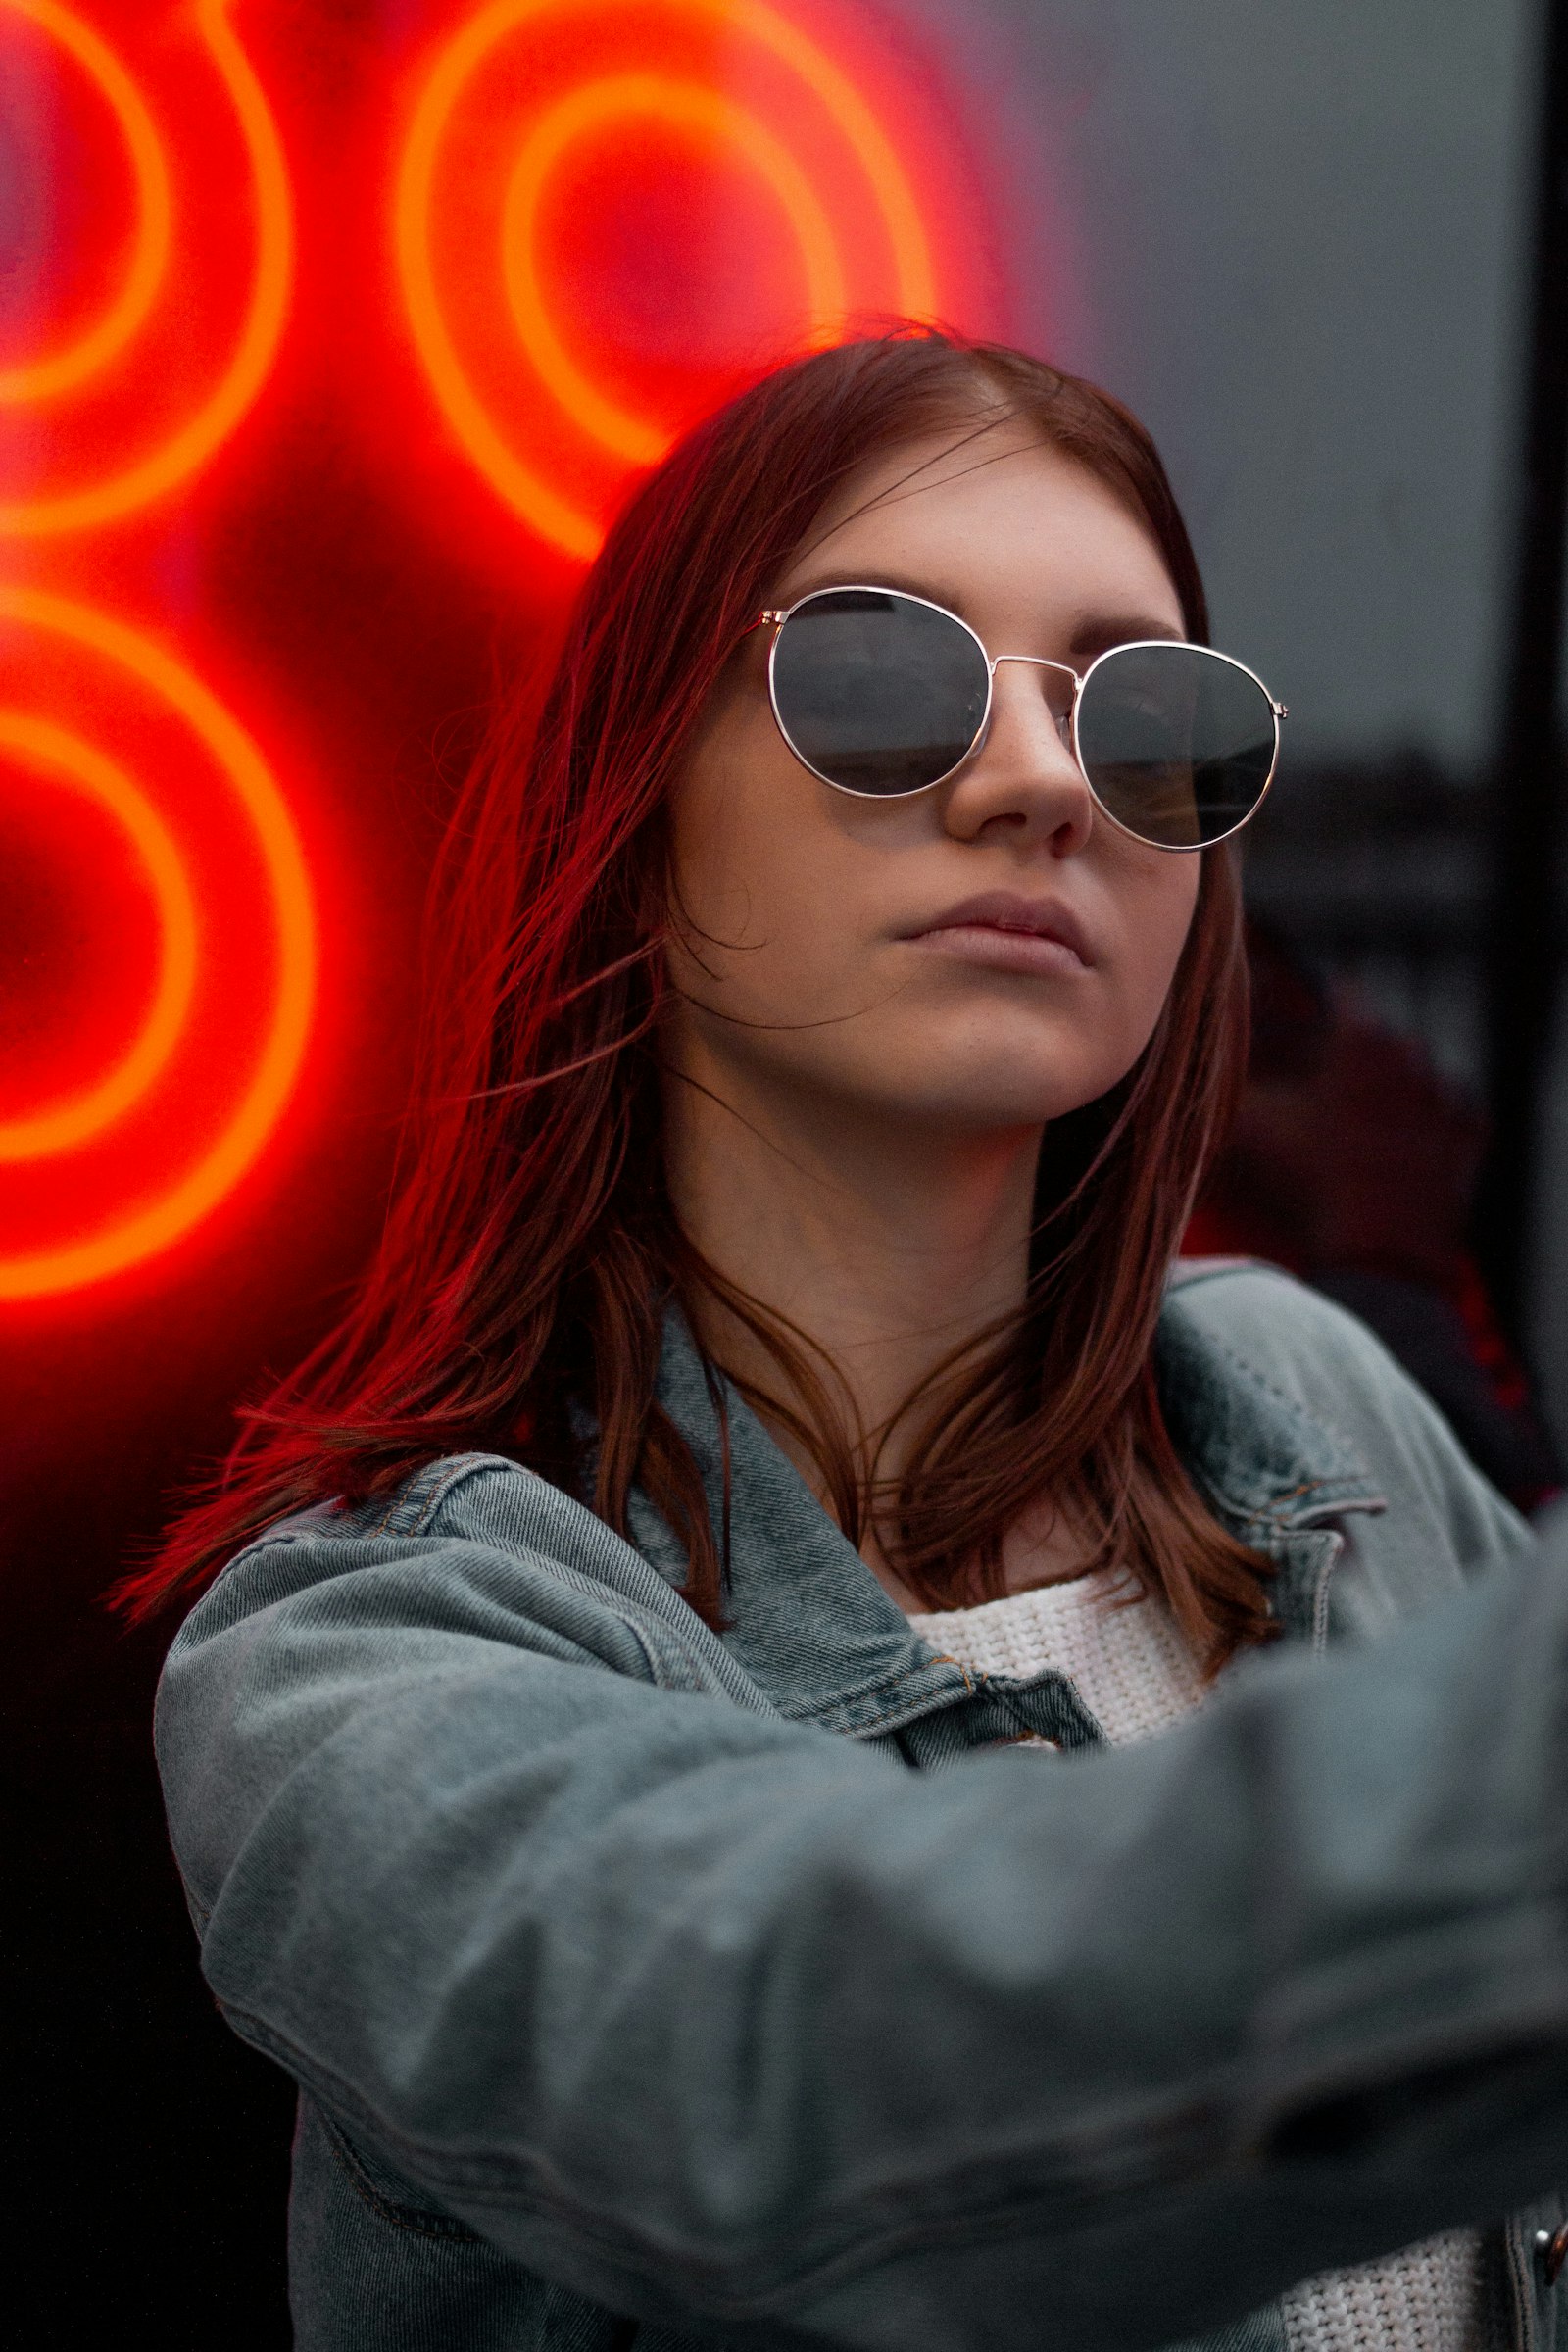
1156, 937
1139, 975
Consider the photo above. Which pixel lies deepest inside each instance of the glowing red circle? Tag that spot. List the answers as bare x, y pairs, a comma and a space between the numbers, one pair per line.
59, 1126
148, 258
519, 483
191, 441
119, 1241
691, 108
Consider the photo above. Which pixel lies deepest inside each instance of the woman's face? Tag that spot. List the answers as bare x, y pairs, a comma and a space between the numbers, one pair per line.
832, 947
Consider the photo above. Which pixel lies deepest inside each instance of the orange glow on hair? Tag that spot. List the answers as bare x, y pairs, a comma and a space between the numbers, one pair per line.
906, 284
124, 1239
186, 449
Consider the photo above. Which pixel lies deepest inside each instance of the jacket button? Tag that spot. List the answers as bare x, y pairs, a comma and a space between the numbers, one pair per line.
1551, 2248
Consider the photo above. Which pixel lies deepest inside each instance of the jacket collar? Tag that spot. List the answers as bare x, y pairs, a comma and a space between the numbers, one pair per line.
807, 1618
1268, 1463
811, 1623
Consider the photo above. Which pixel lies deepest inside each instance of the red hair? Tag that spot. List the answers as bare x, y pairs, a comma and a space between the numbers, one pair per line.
530, 1253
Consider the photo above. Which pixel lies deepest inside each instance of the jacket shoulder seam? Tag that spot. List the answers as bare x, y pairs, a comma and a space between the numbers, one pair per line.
412, 1506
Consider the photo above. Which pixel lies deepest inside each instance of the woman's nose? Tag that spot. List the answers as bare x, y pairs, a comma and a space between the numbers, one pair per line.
1024, 777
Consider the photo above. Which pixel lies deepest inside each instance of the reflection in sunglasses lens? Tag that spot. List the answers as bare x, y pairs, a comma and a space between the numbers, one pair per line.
877, 692
1177, 742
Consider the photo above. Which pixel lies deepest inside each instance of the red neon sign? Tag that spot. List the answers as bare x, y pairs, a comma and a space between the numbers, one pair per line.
731, 125
115, 1166
56, 751
519, 87
109, 466
115, 1170
148, 257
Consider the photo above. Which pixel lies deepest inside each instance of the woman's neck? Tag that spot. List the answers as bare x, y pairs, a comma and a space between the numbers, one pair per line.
888, 1243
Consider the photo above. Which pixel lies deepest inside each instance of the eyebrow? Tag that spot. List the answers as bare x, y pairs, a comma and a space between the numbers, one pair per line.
933, 592
1097, 632
1094, 633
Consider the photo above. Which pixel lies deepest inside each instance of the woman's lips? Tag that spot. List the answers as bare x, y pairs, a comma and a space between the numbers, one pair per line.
1003, 950
1008, 934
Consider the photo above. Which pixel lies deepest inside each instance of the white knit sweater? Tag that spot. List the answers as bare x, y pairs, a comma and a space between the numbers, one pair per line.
1137, 1676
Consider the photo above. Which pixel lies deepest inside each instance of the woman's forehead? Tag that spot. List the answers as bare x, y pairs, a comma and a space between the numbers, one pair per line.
982, 520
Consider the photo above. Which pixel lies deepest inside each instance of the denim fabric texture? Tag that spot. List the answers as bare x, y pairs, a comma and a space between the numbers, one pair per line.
646, 1985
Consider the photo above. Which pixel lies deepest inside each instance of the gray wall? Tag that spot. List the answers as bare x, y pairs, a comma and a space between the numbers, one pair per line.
1293, 236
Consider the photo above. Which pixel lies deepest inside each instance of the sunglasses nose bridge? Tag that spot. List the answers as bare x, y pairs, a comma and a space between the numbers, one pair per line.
1062, 716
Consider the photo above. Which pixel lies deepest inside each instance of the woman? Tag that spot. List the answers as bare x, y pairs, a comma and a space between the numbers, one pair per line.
773, 1379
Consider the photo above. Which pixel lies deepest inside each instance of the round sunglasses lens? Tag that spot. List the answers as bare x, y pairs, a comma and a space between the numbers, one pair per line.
1178, 743
877, 692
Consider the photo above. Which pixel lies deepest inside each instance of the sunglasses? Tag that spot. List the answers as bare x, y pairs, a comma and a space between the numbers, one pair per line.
883, 694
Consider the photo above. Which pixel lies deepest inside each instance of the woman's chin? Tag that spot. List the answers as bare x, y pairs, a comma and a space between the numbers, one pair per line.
982, 1076
993, 1100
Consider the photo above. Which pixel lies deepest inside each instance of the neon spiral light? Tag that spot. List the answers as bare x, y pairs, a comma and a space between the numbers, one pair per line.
190, 1194
519, 482
193, 442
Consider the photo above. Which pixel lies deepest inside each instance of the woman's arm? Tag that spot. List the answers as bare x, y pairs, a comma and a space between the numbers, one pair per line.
724, 2019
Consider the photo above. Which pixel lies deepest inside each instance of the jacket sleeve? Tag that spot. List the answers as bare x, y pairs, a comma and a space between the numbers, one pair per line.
728, 2022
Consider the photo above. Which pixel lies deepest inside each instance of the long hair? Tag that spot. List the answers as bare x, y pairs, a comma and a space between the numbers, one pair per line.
530, 1253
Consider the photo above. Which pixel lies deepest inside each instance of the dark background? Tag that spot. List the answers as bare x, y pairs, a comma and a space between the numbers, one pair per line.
1307, 242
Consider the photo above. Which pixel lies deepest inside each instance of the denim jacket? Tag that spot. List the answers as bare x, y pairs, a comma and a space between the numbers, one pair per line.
648, 1986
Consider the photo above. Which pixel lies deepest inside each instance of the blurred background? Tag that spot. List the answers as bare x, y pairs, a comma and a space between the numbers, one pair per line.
331, 332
